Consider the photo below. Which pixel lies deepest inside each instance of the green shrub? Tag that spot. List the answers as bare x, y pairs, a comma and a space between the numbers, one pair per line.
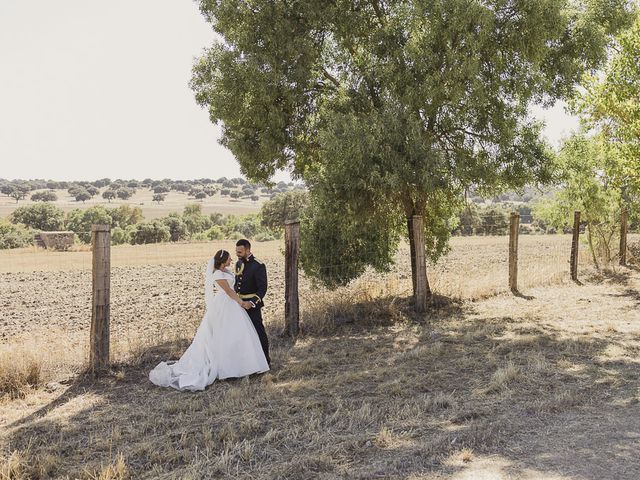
80, 221
125, 215
153, 231
46, 196
120, 236
177, 227
14, 236
248, 225
195, 221
264, 237
235, 236
215, 233
41, 216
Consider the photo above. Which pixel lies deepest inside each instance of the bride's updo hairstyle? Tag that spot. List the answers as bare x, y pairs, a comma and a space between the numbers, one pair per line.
220, 258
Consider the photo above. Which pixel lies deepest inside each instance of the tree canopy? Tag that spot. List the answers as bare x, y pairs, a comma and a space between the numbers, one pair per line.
391, 109
611, 106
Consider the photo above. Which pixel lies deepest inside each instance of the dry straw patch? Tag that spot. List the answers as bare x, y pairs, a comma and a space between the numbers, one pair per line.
19, 373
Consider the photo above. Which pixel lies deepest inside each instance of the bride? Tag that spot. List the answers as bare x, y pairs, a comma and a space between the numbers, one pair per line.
226, 343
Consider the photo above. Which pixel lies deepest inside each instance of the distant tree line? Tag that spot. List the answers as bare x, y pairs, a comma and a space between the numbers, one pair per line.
128, 226
235, 188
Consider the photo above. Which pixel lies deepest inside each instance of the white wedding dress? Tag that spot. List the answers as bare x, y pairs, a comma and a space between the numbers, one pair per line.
225, 345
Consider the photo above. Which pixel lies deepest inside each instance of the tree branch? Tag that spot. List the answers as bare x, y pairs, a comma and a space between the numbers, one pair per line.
330, 77
376, 8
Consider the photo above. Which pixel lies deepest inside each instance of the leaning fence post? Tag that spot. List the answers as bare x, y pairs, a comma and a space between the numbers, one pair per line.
623, 236
101, 302
513, 251
574, 246
292, 252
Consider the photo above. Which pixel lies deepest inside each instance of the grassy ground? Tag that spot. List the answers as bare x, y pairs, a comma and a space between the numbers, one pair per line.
541, 385
143, 198
508, 387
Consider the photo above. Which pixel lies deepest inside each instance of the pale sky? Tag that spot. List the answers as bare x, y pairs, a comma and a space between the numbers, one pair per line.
94, 89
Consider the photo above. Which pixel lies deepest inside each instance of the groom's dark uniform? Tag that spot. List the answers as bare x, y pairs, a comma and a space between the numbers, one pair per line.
251, 286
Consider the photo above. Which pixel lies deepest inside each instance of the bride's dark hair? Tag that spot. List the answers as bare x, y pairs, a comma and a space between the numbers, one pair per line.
220, 258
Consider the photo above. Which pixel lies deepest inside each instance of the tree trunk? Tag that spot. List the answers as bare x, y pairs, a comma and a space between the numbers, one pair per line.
593, 252
421, 289
412, 251
623, 236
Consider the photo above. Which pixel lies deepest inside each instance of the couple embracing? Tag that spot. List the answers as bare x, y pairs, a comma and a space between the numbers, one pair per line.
231, 340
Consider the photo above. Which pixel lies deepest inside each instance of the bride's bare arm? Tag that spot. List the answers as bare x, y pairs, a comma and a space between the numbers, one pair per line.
224, 285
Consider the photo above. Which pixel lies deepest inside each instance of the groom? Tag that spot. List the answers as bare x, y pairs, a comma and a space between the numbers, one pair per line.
251, 286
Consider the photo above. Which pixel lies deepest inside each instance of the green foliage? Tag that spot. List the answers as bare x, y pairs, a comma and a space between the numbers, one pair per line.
14, 236
41, 216
46, 196
264, 237
162, 188
177, 227
124, 216
19, 192
121, 236
235, 236
493, 221
109, 195
217, 218
469, 221
582, 168
80, 221
247, 225
158, 197
153, 231
81, 195
611, 105
215, 233
195, 221
391, 109
283, 207
125, 193
337, 248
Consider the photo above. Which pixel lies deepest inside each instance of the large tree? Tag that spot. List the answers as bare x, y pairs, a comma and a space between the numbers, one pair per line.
610, 105
587, 169
390, 109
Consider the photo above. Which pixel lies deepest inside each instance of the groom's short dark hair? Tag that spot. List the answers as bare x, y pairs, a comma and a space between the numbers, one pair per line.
243, 243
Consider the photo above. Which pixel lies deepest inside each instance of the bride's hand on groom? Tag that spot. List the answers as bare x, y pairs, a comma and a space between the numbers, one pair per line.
246, 305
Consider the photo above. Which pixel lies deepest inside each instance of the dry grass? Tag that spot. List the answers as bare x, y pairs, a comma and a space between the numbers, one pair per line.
548, 385
549, 391
19, 373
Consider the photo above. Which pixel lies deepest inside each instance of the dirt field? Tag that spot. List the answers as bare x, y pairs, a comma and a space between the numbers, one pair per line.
541, 385
175, 202
155, 287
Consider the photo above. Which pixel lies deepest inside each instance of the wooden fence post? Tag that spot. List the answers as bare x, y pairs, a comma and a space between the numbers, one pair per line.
422, 292
624, 217
292, 252
101, 302
574, 246
514, 231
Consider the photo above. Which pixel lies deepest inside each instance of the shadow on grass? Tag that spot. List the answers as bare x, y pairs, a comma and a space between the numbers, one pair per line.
391, 396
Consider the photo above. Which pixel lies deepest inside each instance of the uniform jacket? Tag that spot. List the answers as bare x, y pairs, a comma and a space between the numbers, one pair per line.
251, 280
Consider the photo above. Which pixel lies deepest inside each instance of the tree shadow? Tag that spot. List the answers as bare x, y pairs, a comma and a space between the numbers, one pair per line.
386, 399
517, 293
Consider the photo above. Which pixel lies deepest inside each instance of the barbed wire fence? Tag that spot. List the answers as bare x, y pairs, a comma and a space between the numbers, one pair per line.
155, 291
